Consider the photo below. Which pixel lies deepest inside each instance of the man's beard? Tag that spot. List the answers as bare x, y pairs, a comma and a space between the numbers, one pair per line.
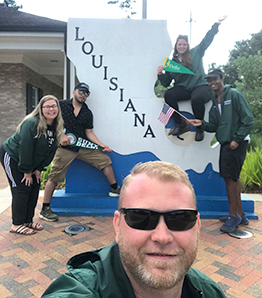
78, 100
168, 275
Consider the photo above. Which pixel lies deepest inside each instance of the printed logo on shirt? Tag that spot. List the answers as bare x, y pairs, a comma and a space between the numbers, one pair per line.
50, 136
227, 102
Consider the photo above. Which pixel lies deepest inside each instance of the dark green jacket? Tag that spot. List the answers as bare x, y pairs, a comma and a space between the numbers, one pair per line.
99, 274
236, 120
189, 82
29, 152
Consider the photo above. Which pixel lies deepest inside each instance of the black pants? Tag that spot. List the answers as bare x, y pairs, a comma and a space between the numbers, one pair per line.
231, 161
24, 198
199, 96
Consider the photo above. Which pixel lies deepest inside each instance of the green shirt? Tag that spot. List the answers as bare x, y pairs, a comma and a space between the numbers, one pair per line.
234, 122
100, 274
29, 152
190, 82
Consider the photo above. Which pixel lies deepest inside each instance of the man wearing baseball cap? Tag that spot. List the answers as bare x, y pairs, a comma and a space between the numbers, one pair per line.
231, 119
78, 120
82, 87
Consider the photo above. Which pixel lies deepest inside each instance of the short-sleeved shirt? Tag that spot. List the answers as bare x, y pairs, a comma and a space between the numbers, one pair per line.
76, 125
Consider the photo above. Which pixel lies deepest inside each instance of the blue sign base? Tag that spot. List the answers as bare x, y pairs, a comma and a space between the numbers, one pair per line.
86, 189
216, 207
77, 204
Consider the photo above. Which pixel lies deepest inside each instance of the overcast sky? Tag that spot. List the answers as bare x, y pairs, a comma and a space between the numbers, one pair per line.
244, 18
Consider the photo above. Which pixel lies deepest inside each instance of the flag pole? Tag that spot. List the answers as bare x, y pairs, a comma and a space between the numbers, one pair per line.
181, 115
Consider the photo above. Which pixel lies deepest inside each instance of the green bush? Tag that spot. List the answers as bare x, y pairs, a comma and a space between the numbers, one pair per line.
159, 89
45, 175
256, 141
251, 174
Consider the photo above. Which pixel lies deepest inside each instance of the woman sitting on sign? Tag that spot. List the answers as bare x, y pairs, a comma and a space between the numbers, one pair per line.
25, 154
188, 86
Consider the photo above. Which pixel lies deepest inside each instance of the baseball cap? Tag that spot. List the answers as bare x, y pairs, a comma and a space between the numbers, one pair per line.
82, 87
214, 73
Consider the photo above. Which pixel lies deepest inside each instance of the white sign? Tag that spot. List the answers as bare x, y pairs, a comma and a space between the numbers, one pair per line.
118, 60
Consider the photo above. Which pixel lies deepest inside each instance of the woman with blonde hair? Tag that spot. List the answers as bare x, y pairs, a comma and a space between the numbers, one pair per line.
25, 155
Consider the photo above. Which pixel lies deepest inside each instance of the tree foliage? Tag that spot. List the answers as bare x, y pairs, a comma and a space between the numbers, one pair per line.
249, 70
243, 48
126, 6
12, 4
244, 71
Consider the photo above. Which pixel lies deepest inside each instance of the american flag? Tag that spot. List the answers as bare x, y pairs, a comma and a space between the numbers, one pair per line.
165, 114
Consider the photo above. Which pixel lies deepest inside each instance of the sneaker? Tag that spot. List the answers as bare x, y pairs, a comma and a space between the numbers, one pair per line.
244, 221
231, 224
115, 192
48, 215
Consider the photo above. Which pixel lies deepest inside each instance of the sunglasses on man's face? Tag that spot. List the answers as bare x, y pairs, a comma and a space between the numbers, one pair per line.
86, 93
146, 219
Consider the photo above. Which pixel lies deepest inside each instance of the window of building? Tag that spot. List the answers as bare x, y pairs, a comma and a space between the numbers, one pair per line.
33, 95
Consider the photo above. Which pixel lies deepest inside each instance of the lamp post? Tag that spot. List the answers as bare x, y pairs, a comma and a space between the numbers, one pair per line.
144, 9
190, 21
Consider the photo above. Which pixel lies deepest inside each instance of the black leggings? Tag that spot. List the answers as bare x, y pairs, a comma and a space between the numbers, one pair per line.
24, 198
199, 96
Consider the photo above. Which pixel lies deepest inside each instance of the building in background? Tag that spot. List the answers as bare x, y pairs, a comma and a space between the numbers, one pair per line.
33, 63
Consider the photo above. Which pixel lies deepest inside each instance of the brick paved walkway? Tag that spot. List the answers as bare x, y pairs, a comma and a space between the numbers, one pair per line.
3, 179
28, 264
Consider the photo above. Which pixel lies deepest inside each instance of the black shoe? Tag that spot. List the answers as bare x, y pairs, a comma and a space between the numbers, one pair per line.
199, 134
177, 129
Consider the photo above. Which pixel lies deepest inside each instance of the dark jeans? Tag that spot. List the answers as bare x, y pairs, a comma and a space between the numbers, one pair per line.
199, 96
24, 198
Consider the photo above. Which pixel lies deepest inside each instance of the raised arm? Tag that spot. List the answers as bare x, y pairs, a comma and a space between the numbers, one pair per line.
208, 39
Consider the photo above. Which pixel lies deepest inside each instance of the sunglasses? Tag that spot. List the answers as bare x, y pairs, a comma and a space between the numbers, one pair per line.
86, 93
146, 219
182, 36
